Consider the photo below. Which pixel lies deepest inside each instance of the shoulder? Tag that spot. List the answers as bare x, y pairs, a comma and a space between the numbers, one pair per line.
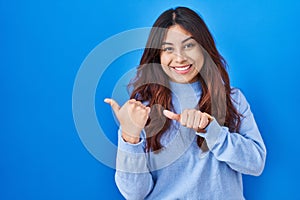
237, 94
239, 100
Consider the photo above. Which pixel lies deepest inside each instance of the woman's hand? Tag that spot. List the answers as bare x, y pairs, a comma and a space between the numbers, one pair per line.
191, 118
132, 116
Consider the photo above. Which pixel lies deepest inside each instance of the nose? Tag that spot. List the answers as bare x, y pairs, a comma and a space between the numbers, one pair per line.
180, 57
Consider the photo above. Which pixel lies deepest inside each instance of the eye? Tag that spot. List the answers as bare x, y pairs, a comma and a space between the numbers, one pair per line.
168, 49
189, 45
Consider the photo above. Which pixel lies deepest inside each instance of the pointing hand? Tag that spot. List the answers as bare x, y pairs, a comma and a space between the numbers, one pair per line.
132, 116
191, 118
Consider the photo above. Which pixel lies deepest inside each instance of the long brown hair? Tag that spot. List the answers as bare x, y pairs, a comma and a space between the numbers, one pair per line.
151, 84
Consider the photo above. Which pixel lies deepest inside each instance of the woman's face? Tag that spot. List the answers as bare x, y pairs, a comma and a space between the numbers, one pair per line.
181, 56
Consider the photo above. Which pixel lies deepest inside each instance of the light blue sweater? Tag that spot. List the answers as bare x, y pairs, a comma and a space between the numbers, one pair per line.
182, 170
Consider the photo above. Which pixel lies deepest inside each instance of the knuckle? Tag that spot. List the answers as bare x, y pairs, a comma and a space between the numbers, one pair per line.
191, 111
130, 106
189, 126
183, 123
186, 111
143, 111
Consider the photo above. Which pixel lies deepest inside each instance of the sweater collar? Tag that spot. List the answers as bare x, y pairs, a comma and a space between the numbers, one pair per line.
194, 87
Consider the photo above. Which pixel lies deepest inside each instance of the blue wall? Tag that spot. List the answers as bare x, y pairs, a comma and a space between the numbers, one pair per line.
43, 44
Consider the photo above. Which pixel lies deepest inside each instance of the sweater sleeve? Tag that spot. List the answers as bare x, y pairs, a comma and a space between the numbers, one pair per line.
245, 151
132, 176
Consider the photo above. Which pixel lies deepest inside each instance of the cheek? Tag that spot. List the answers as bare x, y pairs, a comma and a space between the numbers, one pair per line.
198, 58
164, 59
200, 61
164, 62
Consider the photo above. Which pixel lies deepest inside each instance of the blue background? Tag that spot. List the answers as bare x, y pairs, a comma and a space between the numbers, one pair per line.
43, 43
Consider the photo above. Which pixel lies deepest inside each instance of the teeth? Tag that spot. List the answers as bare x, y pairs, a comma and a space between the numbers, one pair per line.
182, 68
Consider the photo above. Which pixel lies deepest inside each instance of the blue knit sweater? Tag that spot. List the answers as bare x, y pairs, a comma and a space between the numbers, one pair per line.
182, 170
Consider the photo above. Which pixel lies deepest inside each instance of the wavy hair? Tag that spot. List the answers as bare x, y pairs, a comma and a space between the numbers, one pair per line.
151, 84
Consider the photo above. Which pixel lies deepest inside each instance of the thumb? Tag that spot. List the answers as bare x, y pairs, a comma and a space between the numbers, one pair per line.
171, 115
115, 106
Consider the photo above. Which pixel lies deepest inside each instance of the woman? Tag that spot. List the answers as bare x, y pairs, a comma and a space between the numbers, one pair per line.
185, 133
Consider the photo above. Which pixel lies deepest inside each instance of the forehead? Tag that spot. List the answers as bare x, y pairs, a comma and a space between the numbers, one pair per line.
176, 33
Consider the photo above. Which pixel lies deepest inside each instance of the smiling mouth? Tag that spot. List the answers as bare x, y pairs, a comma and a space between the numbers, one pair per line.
182, 69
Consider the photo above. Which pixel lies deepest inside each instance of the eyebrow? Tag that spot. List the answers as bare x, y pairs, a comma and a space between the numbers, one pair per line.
183, 41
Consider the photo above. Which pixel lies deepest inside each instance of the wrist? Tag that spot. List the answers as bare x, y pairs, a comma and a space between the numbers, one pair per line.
130, 138
209, 117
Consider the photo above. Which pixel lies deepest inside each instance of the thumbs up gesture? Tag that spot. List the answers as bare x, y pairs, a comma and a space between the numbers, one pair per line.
132, 117
191, 118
